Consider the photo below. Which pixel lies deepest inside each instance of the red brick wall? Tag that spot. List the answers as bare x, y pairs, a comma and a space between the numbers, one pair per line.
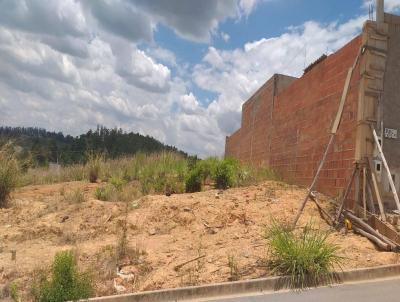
291, 135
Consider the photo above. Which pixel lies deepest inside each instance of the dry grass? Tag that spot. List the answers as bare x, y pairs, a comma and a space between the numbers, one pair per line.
9, 173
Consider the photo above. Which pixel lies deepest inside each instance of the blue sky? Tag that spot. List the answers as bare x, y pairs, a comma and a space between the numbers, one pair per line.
178, 70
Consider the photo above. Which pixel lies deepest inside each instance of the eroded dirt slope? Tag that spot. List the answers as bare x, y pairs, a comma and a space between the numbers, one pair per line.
224, 230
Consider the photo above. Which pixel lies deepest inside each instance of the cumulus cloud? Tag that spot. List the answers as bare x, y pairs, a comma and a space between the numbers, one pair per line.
235, 74
70, 65
50, 17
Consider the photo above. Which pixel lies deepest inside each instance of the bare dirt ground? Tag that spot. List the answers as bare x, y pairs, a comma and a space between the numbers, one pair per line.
224, 230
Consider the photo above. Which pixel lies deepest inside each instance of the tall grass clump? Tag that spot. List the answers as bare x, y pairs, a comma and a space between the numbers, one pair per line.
163, 172
226, 172
94, 164
9, 173
194, 181
65, 282
251, 175
47, 175
75, 196
307, 258
207, 168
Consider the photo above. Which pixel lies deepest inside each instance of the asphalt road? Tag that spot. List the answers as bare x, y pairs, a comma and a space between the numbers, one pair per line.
385, 291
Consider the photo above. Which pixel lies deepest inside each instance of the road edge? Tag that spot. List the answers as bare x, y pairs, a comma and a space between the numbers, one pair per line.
244, 286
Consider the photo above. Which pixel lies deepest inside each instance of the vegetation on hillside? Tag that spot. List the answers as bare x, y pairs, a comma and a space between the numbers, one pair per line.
39, 147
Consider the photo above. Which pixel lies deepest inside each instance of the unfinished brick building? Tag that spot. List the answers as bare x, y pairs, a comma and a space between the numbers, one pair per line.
286, 123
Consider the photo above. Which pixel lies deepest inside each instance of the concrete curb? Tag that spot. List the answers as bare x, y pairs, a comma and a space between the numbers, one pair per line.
243, 287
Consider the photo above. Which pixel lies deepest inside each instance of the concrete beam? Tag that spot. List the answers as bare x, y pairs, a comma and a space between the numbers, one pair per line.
380, 11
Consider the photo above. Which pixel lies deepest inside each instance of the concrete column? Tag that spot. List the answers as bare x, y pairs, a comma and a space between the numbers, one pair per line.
380, 11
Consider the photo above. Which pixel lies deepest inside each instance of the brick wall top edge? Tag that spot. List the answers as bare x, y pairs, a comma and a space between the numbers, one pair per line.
317, 68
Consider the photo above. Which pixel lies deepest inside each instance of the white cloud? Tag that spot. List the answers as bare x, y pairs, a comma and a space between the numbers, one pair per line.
247, 6
225, 36
235, 74
189, 104
87, 68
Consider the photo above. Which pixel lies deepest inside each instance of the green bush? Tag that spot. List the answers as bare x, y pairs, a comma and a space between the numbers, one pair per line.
207, 167
106, 193
65, 283
117, 182
9, 173
193, 182
225, 174
306, 258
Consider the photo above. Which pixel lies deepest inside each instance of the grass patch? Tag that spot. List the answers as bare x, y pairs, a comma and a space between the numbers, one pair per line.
307, 258
193, 182
106, 193
9, 173
75, 196
225, 174
160, 173
65, 282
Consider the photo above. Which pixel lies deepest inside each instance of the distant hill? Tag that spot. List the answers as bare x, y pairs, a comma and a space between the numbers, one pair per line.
42, 146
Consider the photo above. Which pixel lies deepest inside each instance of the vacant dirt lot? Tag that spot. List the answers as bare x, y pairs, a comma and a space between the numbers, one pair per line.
224, 230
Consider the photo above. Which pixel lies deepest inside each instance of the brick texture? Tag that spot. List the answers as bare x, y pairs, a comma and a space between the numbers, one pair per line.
286, 126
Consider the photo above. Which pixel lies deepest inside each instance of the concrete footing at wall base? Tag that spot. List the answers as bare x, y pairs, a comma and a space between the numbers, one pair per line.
262, 285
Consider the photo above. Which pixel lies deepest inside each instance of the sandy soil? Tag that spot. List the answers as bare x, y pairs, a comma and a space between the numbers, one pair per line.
223, 229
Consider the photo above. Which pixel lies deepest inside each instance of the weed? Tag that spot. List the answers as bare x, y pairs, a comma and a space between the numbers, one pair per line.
14, 292
207, 168
94, 164
193, 182
9, 173
234, 268
225, 174
117, 182
106, 193
75, 196
65, 283
307, 258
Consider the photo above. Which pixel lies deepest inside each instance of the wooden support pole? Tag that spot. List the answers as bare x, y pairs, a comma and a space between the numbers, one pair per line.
384, 246
370, 200
321, 164
378, 196
339, 114
329, 220
346, 194
366, 227
334, 129
364, 199
392, 186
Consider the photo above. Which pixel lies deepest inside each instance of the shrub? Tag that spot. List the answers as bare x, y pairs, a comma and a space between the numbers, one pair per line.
65, 283
117, 182
106, 193
306, 258
9, 173
224, 175
207, 167
14, 292
193, 182
94, 162
75, 196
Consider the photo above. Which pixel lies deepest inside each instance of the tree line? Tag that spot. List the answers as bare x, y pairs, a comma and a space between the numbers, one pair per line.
42, 147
